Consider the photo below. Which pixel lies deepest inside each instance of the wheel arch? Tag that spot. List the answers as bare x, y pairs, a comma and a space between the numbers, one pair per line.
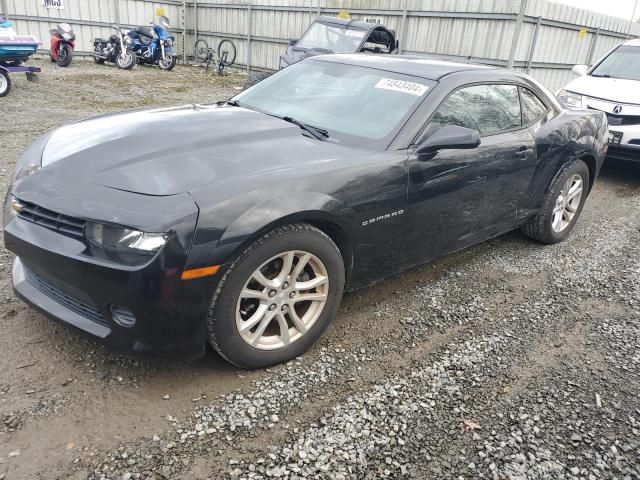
323, 211
329, 225
590, 160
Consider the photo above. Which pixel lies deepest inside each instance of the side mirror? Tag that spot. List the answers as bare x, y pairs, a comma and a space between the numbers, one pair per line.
293, 41
580, 70
450, 137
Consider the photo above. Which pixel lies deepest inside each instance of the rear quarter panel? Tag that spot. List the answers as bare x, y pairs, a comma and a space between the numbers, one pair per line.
563, 138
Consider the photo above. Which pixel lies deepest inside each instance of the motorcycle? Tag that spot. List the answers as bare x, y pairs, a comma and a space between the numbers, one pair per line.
154, 45
114, 49
63, 41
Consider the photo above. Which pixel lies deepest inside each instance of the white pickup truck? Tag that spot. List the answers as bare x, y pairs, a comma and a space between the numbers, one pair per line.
612, 86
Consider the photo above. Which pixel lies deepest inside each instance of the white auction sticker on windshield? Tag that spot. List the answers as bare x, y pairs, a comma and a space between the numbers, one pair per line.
402, 86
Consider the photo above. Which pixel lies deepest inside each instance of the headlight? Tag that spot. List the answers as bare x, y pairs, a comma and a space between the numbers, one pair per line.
66, 36
571, 100
124, 240
169, 42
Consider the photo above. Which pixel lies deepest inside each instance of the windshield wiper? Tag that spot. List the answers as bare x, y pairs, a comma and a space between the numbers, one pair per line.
317, 133
231, 103
601, 75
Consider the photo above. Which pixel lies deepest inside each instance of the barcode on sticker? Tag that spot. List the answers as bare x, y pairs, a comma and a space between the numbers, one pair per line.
402, 86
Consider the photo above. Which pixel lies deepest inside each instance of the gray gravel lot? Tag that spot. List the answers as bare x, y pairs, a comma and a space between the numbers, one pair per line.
511, 360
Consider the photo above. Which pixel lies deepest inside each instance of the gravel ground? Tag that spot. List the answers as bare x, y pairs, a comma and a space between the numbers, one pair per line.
511, 360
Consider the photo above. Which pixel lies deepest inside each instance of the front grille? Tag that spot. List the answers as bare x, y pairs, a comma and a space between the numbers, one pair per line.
47, 218
72, 303
617, 120
621, 153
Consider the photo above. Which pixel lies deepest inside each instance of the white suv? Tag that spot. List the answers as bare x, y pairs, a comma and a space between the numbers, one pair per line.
613, 86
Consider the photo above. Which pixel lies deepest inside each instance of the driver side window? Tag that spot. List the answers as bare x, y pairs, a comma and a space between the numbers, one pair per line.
489, 109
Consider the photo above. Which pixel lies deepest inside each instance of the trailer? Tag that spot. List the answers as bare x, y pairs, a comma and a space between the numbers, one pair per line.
5, 80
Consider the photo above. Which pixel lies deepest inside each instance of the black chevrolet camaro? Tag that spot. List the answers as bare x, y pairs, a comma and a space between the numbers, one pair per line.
244, 226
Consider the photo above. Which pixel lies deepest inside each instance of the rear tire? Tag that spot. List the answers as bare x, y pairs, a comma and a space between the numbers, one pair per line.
5, 83
97, 60
295, 323
559, 213
126, 61
65, 56
201, 50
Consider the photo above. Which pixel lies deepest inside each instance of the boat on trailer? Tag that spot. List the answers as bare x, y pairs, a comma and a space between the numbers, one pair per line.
14, 50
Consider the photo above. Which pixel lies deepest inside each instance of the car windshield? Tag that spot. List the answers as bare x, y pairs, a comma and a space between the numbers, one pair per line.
623, 62
356, 105
331, 37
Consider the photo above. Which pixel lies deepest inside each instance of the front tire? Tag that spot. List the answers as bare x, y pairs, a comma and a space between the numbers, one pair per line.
277, 298
126, 60
562, 205
227, 52
5, 83
65, 56
168, 63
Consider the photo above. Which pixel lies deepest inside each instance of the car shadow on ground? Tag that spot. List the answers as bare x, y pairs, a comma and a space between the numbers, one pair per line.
625, 174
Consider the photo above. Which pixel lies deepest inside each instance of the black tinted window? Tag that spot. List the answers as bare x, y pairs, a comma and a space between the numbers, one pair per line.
532, 106
453, 111
489, 109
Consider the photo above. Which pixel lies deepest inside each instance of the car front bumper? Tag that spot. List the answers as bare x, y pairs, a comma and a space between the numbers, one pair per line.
624, 151
170, 313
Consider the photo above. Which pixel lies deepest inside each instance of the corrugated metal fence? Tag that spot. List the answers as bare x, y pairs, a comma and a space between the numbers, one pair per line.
538, 36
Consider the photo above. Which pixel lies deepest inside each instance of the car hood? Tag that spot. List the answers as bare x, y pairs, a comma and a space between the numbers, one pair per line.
612, 89
182, 149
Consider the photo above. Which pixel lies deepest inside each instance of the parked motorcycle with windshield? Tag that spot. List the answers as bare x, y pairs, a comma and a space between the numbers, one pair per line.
114, 49
63, 41
154, 45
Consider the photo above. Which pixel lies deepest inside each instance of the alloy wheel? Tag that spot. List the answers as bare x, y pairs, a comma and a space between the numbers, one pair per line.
567, 203
282, 300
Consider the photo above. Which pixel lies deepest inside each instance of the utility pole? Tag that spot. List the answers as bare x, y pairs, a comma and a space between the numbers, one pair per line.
3, 7
516, 34
633, 16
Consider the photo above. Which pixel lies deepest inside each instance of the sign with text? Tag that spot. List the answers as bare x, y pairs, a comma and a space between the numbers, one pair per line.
56, 4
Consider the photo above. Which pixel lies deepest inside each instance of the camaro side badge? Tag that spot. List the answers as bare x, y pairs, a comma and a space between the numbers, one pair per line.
382, 217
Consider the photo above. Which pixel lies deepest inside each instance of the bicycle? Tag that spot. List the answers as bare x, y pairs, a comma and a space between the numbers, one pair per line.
223, 56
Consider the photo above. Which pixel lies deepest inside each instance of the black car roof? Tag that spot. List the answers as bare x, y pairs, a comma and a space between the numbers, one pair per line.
349, 23
408, 65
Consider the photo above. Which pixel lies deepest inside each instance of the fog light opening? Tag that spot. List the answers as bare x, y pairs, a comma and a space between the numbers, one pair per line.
122, 316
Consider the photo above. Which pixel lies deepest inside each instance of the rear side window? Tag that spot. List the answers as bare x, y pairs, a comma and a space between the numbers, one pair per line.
532, 106
489, 109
